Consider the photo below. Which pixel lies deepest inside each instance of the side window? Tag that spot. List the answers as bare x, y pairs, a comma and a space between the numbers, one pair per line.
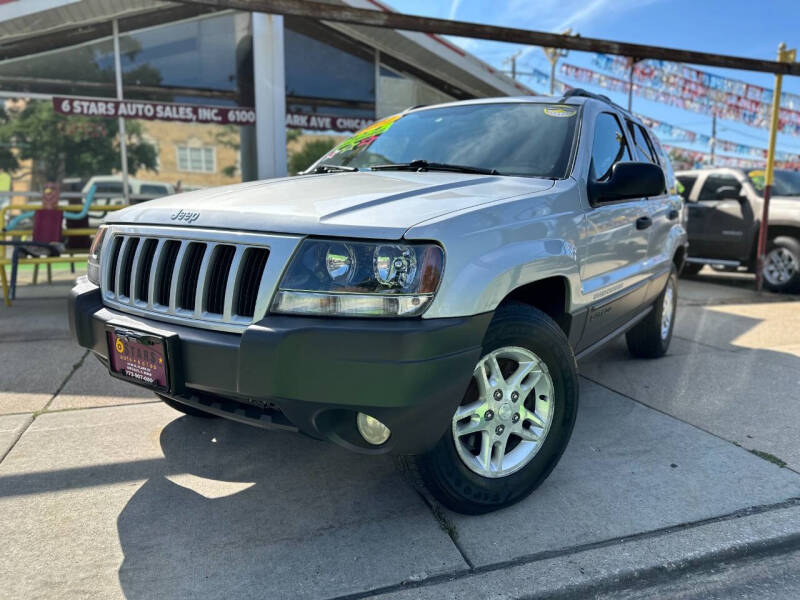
687, 183
641, 145
608, 147
714, 182
664, 161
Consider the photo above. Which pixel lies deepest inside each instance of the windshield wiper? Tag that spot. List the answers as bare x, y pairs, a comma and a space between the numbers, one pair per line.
328, 168
424, 165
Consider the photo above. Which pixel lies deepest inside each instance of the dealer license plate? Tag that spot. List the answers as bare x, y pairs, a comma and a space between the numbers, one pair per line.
138, 357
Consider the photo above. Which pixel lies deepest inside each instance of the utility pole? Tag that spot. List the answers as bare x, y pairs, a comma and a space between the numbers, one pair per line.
513, 60
632, 62
784, 56
713, 142
553, 55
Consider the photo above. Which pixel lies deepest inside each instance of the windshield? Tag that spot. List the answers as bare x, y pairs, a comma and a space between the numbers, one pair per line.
153, 189
787, 183
527, 139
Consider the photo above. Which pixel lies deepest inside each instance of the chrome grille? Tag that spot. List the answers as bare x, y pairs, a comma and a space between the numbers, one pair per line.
213, 279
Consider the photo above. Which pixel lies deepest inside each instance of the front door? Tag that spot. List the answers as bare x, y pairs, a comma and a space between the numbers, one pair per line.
720, 220
614, 261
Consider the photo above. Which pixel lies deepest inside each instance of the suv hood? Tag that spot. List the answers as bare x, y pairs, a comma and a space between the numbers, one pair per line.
364, 204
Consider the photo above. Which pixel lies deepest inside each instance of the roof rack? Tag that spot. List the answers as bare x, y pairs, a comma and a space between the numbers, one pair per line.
582, 93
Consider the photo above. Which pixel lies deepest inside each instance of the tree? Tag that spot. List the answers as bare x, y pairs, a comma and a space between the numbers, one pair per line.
60, 146
293, 135
680, 159
229, 136
311, 151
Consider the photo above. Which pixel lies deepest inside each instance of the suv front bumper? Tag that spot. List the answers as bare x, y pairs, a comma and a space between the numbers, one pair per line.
312, 374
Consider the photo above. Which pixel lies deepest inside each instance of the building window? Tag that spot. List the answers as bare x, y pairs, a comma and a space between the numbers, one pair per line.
197, 159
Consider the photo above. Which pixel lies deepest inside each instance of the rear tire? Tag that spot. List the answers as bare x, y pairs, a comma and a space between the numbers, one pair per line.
651, 337
782, 265
533, 394
690, 269
186, 409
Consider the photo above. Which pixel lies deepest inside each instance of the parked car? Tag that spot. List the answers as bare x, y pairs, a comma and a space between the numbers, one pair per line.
109, 187
725, 207
423, 290
109, 190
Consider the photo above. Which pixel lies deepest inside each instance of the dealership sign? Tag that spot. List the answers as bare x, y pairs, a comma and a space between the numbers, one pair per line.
196, 113
317, 122
160, 111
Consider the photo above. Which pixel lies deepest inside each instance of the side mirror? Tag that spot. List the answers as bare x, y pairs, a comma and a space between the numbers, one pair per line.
628, 180
728, 192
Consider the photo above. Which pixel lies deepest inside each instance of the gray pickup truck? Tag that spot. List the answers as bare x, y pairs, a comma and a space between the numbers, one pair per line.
725, 208
423, 290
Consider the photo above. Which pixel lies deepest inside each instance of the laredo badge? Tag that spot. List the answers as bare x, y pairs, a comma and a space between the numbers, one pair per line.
560, 111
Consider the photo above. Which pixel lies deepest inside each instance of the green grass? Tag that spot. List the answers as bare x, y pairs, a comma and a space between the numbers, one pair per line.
770, 457
57, 268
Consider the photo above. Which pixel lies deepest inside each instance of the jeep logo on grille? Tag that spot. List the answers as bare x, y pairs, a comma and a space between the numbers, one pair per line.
185, 216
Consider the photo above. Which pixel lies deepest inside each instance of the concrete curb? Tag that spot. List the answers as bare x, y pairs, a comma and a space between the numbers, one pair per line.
618, 563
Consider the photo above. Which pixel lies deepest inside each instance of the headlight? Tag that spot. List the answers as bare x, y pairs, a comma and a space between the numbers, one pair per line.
360, 279
93, 265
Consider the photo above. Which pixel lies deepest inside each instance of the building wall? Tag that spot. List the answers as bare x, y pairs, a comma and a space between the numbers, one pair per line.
169, 136
399, 92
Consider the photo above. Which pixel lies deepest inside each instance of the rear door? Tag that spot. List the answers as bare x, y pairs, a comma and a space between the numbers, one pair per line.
664, 208
614, 264
720, 220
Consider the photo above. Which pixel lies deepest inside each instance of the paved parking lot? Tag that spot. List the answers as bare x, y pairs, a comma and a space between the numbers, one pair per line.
105, 493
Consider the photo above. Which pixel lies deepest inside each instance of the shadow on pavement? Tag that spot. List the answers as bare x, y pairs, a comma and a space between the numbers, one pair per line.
732, 370
272, 515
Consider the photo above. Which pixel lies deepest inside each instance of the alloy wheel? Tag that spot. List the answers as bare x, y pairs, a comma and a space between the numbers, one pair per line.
506, 414
780, 266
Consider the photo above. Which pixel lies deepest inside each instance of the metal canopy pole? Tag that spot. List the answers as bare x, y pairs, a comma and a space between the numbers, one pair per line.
270, 94
335, 13
787, 56
123, 138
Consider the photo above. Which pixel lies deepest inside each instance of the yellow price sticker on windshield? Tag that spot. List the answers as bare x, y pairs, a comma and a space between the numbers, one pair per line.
560, 111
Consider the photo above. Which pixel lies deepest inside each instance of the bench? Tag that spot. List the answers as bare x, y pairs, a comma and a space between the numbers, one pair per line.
70, 256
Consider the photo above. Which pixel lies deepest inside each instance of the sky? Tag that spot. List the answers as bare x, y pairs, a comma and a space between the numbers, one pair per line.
735, 27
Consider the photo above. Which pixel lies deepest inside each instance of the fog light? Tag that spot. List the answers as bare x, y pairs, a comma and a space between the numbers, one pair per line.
372, 430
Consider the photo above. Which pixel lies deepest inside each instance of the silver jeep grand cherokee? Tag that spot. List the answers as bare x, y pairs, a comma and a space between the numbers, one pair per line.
423, 290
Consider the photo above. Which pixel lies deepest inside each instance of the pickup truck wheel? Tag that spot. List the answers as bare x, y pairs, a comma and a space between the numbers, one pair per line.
185, 409
651, 337
514, 421
782, 265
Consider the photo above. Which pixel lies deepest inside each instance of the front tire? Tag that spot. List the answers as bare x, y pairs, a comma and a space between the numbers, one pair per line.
782, 265
514, 421
651, 337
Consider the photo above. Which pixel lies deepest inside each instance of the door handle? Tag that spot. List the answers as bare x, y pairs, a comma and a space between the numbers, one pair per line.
672, 215
643, 222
